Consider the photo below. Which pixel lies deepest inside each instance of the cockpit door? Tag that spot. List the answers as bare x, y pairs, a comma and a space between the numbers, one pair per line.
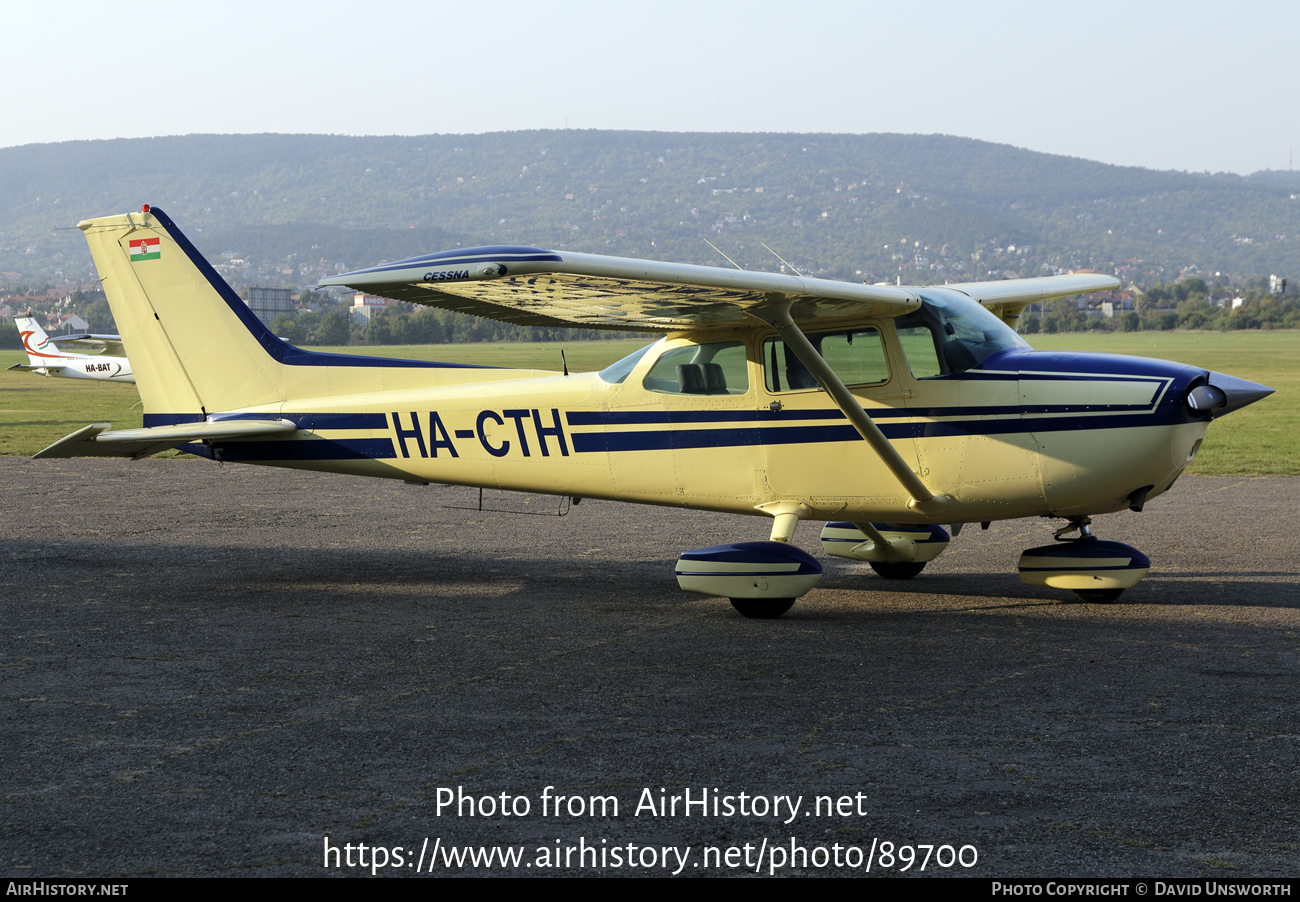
966, 420
812, 451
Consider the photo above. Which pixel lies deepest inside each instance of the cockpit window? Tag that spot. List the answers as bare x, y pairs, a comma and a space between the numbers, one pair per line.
717, 368
856, 355
950, 333
616, 372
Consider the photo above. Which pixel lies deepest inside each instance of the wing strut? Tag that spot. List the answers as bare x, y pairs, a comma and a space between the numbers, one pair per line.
777, 314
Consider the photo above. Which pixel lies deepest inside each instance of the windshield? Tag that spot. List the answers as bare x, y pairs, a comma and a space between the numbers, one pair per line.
616, 372
950, 333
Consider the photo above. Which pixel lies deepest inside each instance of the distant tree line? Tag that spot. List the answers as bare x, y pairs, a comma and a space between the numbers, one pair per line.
1190, 304
426, 326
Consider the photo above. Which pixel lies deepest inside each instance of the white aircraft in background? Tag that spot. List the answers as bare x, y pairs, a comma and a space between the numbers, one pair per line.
48, 357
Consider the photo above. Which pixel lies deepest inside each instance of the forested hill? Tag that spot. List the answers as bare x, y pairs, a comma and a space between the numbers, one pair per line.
877, 207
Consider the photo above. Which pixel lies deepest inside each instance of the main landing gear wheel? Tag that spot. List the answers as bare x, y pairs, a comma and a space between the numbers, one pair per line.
897, 570
762, 608
1099, 596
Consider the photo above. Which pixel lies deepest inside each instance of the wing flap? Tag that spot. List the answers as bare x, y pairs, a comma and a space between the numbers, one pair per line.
96, 440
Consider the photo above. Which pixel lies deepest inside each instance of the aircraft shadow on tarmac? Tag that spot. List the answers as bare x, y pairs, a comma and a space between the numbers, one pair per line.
1274, 589
328, 575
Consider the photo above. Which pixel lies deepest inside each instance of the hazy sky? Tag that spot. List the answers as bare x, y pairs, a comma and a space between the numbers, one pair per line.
1167, 85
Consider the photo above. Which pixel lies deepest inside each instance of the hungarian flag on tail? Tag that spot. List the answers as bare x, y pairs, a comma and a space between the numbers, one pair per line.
145, 249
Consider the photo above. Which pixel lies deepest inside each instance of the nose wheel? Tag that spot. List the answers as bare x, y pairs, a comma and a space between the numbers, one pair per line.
897, 570
762, 608
1096, 571
1099, 596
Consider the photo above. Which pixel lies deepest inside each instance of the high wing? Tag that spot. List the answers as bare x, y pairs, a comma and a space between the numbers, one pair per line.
531, 286
110, 345
1009, 297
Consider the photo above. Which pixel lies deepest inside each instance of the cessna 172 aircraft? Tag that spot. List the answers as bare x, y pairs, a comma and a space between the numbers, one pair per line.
46, 354
883, 411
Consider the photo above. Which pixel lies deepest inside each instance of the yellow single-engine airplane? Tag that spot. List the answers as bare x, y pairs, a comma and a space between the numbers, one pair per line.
882, 410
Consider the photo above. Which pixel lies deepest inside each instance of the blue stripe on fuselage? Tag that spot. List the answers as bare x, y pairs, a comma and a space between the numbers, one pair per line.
679, 439
603, 431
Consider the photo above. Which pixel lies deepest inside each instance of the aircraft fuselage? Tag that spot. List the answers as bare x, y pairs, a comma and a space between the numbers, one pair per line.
1023, 433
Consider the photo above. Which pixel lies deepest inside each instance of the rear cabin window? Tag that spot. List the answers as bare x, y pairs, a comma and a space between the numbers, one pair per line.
717, 368
857, 356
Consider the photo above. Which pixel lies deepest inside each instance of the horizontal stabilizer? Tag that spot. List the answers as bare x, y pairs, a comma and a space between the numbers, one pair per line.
96, 440
25, 368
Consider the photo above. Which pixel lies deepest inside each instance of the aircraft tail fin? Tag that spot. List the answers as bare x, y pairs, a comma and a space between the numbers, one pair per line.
193, 343
41, 352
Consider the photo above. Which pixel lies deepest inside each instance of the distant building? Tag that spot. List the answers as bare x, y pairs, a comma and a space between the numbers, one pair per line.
268, 303
364, 306
66, 323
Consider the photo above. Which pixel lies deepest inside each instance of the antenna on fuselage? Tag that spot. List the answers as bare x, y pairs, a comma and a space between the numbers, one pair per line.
728, 259
564, 363
778, 256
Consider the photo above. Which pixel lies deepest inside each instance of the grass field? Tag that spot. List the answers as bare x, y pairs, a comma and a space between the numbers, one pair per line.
35, 411
1253, 441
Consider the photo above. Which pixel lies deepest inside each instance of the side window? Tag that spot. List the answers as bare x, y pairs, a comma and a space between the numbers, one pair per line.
918, 348
616, 372
717, 368
857, 356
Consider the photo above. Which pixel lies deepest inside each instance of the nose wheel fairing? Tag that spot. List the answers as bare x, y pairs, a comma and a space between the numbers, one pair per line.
1095, 569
